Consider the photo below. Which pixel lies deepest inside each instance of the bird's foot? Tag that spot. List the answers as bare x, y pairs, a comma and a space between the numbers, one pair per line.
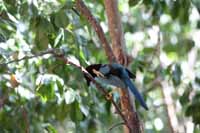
99, 74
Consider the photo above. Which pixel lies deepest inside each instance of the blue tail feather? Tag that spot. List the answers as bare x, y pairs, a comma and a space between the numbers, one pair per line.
133, 89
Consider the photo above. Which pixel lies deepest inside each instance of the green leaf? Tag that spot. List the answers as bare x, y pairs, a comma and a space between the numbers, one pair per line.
23, 10
170, 48
50, 128
41, 40
75, 112
62, 111
197, 80
184, 99
60, 87
148, 50
193, 109
149, 77
61, 19
47, 85
46, 92
42, 29
181, 48
133, 2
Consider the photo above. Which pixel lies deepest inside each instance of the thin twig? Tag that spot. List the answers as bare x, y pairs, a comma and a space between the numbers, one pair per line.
28, 57
116, 125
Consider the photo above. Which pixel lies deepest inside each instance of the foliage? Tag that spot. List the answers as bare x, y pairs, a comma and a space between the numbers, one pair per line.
43, 94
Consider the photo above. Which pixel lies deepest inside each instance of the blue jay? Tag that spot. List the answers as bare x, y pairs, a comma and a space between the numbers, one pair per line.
116, 75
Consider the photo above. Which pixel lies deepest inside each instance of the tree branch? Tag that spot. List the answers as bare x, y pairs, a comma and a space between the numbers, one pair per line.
49, 51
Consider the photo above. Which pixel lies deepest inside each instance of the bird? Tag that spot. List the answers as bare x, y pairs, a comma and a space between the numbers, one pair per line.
117, 75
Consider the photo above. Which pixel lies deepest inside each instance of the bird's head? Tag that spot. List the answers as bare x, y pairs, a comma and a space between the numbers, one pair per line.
91, 70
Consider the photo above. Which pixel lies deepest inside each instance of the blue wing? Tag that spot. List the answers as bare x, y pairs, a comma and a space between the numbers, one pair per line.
133, 89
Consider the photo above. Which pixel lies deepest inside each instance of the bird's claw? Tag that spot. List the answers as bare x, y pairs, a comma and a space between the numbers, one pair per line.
99, 74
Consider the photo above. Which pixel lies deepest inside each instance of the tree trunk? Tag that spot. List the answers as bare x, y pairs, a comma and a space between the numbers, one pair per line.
118, 44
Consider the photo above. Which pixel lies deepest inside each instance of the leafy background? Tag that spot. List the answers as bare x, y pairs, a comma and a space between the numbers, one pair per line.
45, 95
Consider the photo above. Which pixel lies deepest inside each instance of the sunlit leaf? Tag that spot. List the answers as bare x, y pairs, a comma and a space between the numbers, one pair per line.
70, 96
50, 128
59, 38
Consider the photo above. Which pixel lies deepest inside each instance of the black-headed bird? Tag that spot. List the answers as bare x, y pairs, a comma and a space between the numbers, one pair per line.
116, 75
